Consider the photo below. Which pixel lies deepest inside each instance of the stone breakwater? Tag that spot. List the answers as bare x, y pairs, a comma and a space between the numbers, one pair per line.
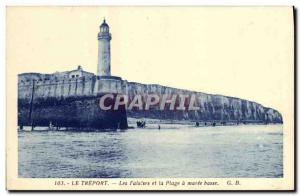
80, 113
211, 107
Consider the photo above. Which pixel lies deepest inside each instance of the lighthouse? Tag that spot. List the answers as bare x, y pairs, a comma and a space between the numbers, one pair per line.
104, 38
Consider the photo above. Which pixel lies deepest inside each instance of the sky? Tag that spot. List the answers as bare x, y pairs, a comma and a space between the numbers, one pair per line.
244, 52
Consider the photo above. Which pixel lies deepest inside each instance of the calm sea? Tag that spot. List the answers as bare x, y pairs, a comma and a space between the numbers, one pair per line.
178, 151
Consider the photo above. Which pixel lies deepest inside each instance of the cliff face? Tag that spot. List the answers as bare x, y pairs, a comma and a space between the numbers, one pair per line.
211, 107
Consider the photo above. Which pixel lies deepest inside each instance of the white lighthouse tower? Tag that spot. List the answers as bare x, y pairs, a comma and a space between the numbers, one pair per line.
104, 38
106, 82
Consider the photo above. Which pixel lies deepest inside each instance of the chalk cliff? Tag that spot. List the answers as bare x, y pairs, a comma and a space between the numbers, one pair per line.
212, 107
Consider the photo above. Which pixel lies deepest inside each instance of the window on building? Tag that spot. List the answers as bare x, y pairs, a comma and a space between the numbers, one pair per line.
73, 76
77, 76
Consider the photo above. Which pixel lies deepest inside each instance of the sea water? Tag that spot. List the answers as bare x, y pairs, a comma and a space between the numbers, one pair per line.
176, 151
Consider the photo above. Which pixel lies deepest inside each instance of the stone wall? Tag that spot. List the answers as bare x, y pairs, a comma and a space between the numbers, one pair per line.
74, 112
67, 103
